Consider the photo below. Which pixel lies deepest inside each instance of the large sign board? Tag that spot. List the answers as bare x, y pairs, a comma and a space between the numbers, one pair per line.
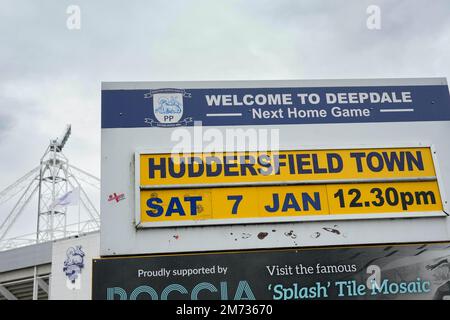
357, 154
389, 272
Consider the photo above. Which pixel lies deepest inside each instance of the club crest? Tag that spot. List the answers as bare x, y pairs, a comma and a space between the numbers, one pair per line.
168, 107
74, 263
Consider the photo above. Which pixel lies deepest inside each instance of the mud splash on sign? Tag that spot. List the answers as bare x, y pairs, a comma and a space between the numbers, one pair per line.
291, 234
262, 235
332, 230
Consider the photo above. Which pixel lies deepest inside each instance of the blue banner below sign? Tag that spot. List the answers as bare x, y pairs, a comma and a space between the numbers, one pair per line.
172, 107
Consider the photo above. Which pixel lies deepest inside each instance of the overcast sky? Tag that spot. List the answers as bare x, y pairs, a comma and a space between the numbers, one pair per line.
50, 75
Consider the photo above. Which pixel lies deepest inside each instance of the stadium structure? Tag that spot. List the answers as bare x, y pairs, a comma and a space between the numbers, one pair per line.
59, 197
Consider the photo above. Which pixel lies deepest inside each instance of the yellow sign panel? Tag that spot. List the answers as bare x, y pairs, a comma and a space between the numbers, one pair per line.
202, 169
288, 201
384, 197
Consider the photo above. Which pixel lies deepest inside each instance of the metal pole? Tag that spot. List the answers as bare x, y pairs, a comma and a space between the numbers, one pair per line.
79, 214
35, 284
52, 211
66, 176
39, 204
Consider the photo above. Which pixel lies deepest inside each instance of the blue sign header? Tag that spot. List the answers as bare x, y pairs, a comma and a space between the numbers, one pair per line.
171, 107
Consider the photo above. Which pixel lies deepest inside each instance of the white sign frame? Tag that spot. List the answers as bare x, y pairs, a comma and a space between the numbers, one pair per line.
366, 216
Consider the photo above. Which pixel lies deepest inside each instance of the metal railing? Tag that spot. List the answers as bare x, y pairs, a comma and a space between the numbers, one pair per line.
30, 239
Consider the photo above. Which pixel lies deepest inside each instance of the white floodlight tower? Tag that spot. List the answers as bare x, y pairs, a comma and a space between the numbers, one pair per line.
51, 180
53, 184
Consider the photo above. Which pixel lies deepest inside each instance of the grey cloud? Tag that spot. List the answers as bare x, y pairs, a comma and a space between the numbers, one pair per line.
6, 124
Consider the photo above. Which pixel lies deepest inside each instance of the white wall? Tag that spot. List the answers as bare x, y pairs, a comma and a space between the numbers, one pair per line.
60, 287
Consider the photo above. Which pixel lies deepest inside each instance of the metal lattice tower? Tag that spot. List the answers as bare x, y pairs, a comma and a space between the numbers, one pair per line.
53, 184
51, 181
